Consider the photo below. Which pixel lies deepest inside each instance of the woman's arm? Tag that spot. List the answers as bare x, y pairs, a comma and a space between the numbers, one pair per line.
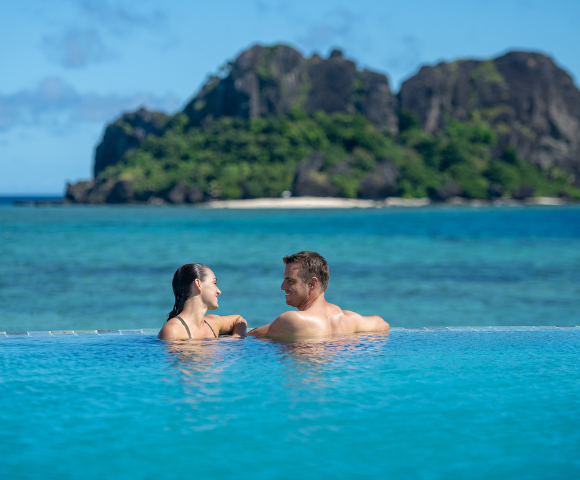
228, 324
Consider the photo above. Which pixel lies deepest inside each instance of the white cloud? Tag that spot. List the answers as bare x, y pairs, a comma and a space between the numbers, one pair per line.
336, 29
118, 18
54, 104
75, 48
265, 7
97, 24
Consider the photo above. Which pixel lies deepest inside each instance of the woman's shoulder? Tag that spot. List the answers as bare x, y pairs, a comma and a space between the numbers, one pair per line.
172, 330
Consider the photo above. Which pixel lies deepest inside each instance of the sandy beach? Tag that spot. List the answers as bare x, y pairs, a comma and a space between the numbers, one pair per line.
324, 202
317, 202
331, 202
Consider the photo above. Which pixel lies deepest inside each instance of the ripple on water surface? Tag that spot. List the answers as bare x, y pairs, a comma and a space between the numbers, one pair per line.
439, 403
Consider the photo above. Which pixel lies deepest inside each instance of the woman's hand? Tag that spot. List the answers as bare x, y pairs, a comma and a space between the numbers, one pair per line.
234, 325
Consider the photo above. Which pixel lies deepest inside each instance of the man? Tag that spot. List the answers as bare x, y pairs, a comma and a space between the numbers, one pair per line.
305, 281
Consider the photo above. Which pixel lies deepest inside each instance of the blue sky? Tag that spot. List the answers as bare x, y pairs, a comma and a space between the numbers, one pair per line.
69, 67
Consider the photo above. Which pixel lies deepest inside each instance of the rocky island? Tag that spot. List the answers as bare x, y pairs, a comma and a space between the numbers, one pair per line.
273, 121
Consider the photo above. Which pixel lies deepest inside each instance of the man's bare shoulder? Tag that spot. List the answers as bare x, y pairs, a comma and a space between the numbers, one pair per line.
293, 323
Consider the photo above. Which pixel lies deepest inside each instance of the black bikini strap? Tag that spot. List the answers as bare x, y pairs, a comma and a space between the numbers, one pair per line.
210, 328
185, 325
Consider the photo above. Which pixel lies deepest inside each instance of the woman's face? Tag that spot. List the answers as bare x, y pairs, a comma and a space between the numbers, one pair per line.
210, 290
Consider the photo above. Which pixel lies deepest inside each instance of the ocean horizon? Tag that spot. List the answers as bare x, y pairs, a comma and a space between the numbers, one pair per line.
110, 267
6, 199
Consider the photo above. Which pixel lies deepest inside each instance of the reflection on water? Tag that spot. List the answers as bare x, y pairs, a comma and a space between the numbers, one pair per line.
197, 355
196, 365
192, 350
303, 371
314, 350
311, 365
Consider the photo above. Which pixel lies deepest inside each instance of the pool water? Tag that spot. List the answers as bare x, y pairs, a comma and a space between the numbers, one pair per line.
430, 403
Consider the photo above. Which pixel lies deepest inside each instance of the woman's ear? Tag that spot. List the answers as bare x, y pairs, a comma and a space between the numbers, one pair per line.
197, 283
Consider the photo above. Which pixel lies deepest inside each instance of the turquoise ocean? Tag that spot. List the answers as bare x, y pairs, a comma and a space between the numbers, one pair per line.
111, 267
479, 377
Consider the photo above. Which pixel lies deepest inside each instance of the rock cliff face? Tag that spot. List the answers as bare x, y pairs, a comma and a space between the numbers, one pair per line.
310, 180
104, 191
268, 80
531, 103
125, 134
260, 82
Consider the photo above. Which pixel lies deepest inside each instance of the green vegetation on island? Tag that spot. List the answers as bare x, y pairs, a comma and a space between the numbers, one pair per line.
232, 158
275, 121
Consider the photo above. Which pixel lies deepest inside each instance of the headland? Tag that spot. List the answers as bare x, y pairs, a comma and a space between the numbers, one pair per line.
497, 130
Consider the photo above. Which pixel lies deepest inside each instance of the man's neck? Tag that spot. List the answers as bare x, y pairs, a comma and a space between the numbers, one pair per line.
313, 299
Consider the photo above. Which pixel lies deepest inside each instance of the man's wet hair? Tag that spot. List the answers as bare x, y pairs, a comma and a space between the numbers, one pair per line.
311, 264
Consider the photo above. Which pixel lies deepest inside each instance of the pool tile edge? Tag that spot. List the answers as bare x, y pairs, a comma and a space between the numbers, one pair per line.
153, 331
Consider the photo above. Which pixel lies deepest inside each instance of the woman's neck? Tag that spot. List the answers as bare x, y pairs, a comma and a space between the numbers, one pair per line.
193, 312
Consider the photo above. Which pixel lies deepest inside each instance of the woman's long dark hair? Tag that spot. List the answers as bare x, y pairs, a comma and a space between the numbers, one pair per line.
182, 280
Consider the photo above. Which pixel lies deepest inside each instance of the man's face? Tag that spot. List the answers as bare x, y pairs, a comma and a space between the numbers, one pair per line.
296, 290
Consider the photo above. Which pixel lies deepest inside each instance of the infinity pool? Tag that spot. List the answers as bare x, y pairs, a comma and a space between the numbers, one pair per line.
486, 402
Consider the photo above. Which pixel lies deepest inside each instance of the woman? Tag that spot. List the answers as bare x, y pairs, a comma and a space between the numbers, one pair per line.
196, 292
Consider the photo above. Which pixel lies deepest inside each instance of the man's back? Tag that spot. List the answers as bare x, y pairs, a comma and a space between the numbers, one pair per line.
322, 318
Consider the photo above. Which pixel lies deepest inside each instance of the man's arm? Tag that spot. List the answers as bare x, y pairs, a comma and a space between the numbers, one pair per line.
259, 332
288, 324
372, 323
232, 324
282, 326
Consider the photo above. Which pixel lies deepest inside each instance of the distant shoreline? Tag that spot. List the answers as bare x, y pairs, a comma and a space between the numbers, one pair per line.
11, 199
314, 202
302, 202
330, 202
